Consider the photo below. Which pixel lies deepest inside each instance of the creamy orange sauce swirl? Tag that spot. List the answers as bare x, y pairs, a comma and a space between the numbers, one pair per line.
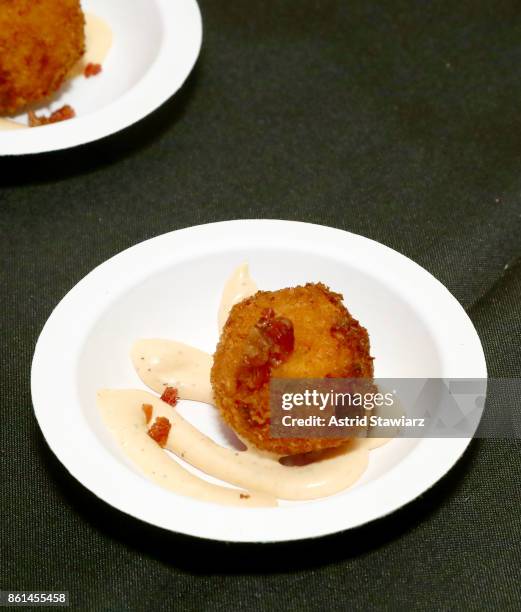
123, 416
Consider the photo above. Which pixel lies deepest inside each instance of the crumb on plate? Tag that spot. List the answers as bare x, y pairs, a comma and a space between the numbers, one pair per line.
147, 409
160, 430
62, 114
92, 70
170, 396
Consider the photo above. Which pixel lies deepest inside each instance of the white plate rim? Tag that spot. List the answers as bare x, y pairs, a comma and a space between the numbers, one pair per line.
129, 492
139, 101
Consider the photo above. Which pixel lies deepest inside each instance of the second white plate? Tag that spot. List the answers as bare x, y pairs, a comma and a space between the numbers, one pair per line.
155, 46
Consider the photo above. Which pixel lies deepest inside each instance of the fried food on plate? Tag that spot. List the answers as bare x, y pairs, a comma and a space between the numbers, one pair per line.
298, 332
40, 42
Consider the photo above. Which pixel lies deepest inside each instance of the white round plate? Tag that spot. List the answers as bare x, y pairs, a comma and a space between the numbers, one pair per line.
169, 287
154, 48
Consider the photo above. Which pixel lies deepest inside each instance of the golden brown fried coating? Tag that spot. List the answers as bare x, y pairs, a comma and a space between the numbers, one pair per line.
40, 42
315, 337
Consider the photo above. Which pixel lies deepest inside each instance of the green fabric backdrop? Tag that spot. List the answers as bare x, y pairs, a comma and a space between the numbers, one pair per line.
400, 121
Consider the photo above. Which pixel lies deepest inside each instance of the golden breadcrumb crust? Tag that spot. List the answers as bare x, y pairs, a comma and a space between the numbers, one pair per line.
328, 342
40, 42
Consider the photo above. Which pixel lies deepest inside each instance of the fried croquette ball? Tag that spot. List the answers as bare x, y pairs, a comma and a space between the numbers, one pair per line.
299, 332
40, 42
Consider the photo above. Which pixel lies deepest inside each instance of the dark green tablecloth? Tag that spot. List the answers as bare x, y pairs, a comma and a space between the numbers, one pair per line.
400, 121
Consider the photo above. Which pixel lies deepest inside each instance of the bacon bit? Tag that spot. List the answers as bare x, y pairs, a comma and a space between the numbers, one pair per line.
92, 70
170, 396
244, 496
270, 343
279, 332
160, 430
147, 409
62, 114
